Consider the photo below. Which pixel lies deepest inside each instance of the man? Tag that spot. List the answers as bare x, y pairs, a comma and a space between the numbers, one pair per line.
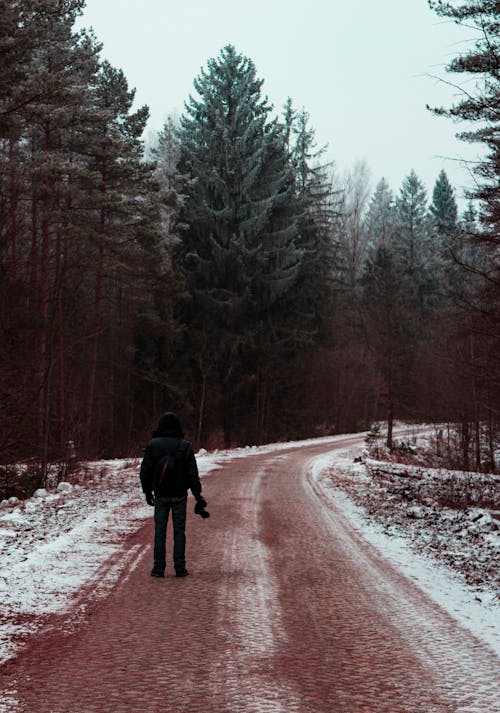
168, 470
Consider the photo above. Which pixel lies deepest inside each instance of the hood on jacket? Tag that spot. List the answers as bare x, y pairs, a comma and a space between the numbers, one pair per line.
169, 425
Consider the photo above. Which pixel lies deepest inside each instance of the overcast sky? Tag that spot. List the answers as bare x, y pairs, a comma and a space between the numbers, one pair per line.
360, 68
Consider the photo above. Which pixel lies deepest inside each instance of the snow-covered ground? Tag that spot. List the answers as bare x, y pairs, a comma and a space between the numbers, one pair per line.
453, 555
55, 543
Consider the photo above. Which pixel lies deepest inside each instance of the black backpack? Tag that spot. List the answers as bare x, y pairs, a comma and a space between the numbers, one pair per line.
170, 472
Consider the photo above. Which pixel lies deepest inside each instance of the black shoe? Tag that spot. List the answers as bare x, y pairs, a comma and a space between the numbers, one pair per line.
157, 572
181, 572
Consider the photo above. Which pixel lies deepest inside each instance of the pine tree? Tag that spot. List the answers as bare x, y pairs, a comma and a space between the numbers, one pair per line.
239, 254
403, 282
124, 221
392, 333
444, 207
416, 250
15, 42
319, 208
444, 229
380, 219
478, 346
167, 155
481, 103
73, 193
47, 108
411, 235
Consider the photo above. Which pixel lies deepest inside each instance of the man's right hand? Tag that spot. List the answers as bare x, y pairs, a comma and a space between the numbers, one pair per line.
150, 498
200, 506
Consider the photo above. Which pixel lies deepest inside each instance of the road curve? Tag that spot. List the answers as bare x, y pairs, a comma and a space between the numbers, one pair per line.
287, 608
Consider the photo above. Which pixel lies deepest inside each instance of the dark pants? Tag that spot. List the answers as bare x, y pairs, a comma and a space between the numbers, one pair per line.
162, 508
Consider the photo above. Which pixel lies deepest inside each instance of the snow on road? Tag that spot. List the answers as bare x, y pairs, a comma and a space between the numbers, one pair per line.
251, 613
478, 611
53, 544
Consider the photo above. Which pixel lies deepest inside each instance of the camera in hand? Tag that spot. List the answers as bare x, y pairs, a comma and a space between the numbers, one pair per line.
200, 508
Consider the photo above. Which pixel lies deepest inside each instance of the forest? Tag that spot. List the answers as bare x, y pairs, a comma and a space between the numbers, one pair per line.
227, 272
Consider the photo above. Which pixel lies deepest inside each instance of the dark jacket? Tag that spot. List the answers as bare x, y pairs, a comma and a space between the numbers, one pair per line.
168, 440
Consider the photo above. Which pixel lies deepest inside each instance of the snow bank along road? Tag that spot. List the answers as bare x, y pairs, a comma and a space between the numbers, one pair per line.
288, 608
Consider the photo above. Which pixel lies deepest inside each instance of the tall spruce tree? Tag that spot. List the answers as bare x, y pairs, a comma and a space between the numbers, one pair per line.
415, 249
411, 234
402, 281
167, 154
239, 255
444, 230
392, 333
479, 103
443, 208
380, 218
319, 209
125, 248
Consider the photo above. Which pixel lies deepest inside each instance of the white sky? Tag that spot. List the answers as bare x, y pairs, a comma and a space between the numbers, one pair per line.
359, 67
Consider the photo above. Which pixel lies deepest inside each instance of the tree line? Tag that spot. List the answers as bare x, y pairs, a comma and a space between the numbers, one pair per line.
228, 273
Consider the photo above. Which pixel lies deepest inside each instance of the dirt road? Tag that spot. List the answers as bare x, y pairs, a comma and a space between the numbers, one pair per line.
287, 608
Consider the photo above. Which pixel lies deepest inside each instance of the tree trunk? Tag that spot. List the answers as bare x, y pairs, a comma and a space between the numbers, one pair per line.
475, 409
262, 406
13, 200
130, 365
201, 412
491, 441
61, 259
390, 425
477, 442
97, 312
258, 409
44, 304
264, 410
465, 443
34, 246
228, 418
171, 276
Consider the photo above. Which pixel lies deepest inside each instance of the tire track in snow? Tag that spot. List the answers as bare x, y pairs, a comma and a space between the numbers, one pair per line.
250, 616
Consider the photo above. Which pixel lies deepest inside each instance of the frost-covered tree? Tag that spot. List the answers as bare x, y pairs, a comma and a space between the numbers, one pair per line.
480, 102
402, 284
76, 218
46, 107
411, 238
167, 155
15, 41
443, 207
354, 236
416, 250
319, 213
444, 232
380, 218
125, 212
239, 254
240, 209
392, 333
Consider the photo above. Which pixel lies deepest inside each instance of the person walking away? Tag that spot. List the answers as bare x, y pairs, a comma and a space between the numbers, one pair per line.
168, 471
